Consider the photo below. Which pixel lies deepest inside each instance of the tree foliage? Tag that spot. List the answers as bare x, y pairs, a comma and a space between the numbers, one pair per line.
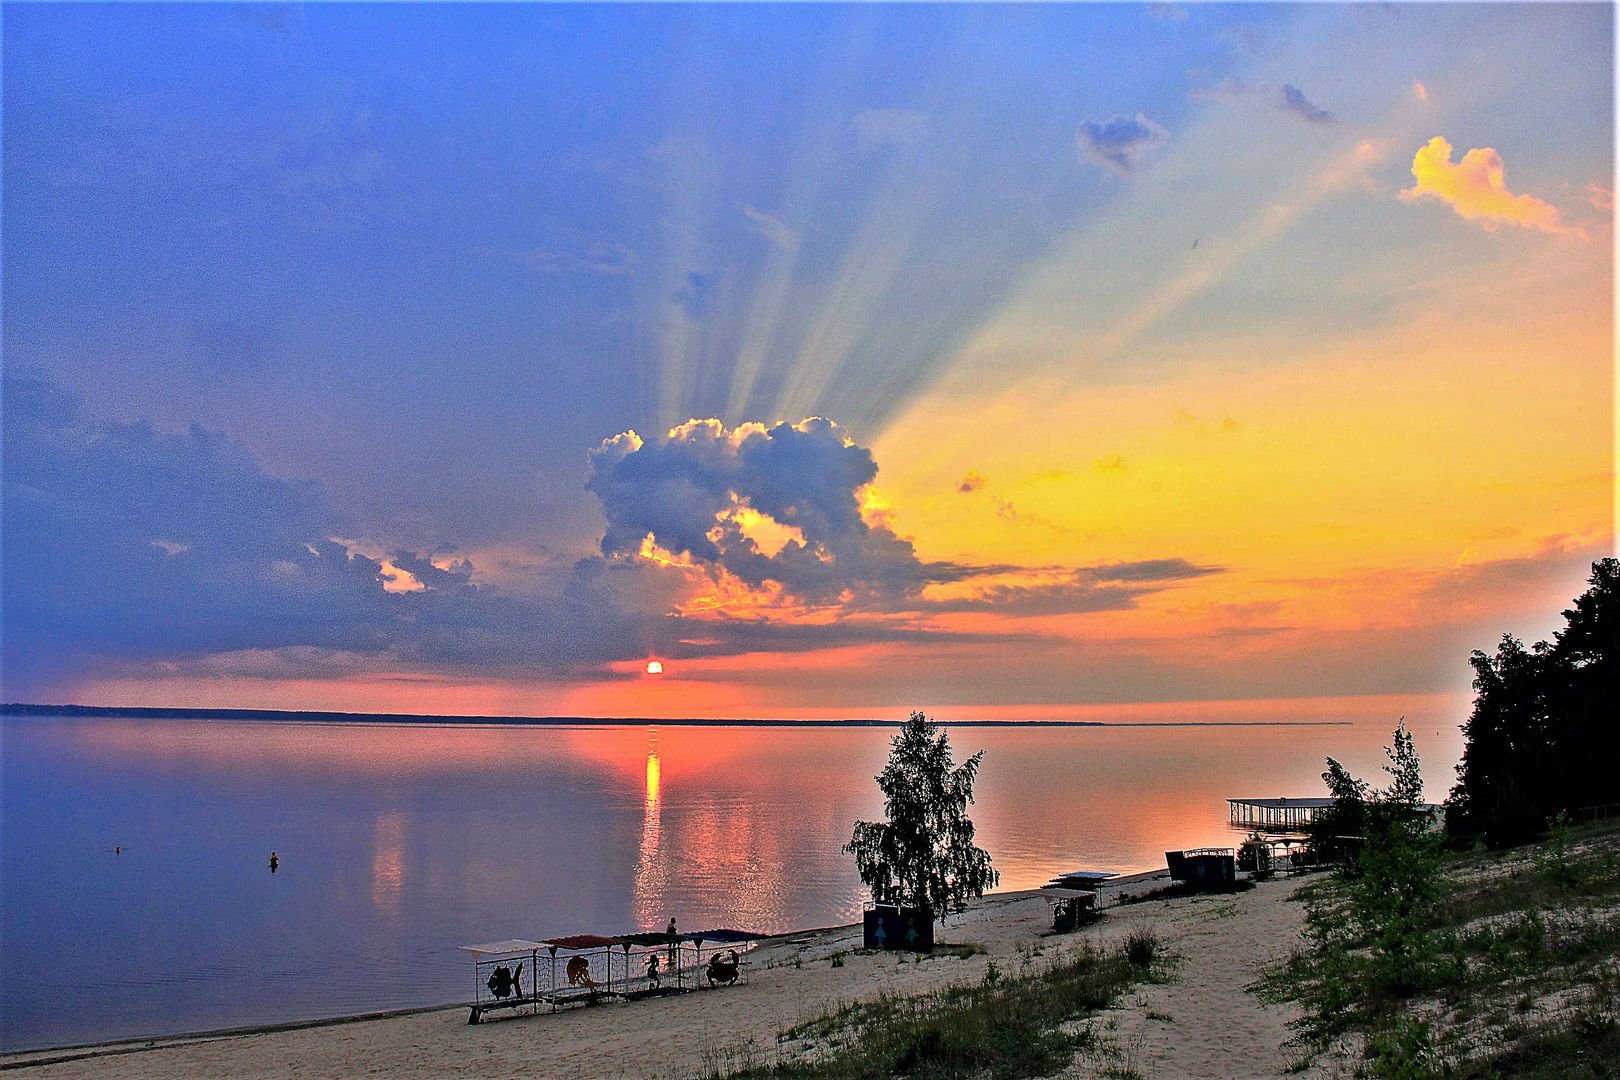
1359, 809
1390, 871
923, 855
1541, 737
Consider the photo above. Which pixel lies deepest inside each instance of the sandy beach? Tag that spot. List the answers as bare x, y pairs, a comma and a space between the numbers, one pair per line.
1201, 1022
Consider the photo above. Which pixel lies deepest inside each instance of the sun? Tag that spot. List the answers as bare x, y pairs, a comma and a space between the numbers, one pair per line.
655, 667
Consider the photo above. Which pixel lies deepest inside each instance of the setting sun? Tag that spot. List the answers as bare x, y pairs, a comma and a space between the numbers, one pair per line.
655, 667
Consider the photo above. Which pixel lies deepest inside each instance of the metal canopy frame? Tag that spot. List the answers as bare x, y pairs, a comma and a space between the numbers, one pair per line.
499, 974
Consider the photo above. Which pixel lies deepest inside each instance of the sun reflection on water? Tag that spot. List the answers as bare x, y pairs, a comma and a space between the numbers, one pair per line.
651, 874
388, 861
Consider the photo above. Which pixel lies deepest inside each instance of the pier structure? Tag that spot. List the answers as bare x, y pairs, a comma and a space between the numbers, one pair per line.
1281, 815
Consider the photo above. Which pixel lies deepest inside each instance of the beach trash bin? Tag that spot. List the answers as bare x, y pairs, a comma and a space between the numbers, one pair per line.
888, 927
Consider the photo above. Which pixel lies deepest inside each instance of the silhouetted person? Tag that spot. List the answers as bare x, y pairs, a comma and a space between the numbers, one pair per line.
670, 930
652, 970
274, 862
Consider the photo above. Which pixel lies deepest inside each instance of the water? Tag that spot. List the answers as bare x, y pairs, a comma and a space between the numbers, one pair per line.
400, 842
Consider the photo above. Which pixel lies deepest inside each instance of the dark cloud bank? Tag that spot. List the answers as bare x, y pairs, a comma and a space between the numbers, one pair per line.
128, 549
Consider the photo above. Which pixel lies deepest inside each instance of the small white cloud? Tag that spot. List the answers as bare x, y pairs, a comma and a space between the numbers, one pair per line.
1167, 12
772, 228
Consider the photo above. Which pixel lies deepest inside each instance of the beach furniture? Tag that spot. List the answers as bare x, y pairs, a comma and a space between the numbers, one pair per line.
1210, 868
1071, 908
1073, 898
727, 946
506, 975
582, 967
672, 951
560, 971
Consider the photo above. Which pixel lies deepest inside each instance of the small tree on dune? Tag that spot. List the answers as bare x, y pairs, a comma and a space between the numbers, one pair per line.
923, 856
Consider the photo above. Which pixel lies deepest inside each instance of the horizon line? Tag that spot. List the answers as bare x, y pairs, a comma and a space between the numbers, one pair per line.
327, 716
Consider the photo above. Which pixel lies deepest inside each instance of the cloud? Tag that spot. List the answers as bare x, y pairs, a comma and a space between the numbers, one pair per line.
577, 256
1419, 91
1108, 587
603, 257
696, 294
1167, 12
127, 548
689, 492
972, 482
890, 127
1476, 189
1120, 142
772, 228
1295, 101
1600, 197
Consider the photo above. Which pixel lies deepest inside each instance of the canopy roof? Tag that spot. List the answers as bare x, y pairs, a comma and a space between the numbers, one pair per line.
509, 947
652, 939
581, 941
1279, 804
726, 934
1058, 892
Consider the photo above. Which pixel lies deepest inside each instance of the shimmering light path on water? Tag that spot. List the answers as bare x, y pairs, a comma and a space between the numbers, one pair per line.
399, 842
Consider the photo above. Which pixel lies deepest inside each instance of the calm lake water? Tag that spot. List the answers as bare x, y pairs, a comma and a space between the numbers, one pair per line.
400, 842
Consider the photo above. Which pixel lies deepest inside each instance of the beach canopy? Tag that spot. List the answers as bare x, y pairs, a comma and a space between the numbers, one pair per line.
580, 941
502, 948
1061, 893
652, 939
725, 935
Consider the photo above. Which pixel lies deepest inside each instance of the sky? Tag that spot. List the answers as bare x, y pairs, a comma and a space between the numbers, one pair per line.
1001, 361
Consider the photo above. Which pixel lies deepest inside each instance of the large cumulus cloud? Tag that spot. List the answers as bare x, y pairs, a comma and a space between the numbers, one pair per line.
129, 551
689, 491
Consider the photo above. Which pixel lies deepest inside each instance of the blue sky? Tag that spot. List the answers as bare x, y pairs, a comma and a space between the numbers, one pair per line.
404, 267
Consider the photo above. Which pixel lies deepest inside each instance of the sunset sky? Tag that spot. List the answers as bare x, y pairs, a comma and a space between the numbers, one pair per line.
1001, 361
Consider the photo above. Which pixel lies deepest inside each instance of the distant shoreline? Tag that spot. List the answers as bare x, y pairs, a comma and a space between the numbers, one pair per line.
285, 715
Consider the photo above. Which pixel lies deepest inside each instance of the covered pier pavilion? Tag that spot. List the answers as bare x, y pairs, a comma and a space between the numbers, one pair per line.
1274, 815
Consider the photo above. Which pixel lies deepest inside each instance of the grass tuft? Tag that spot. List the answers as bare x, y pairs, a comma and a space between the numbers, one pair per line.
1003, 1028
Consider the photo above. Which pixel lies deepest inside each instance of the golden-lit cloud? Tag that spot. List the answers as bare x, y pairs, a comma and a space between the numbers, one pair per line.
1476, 188
972, 482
